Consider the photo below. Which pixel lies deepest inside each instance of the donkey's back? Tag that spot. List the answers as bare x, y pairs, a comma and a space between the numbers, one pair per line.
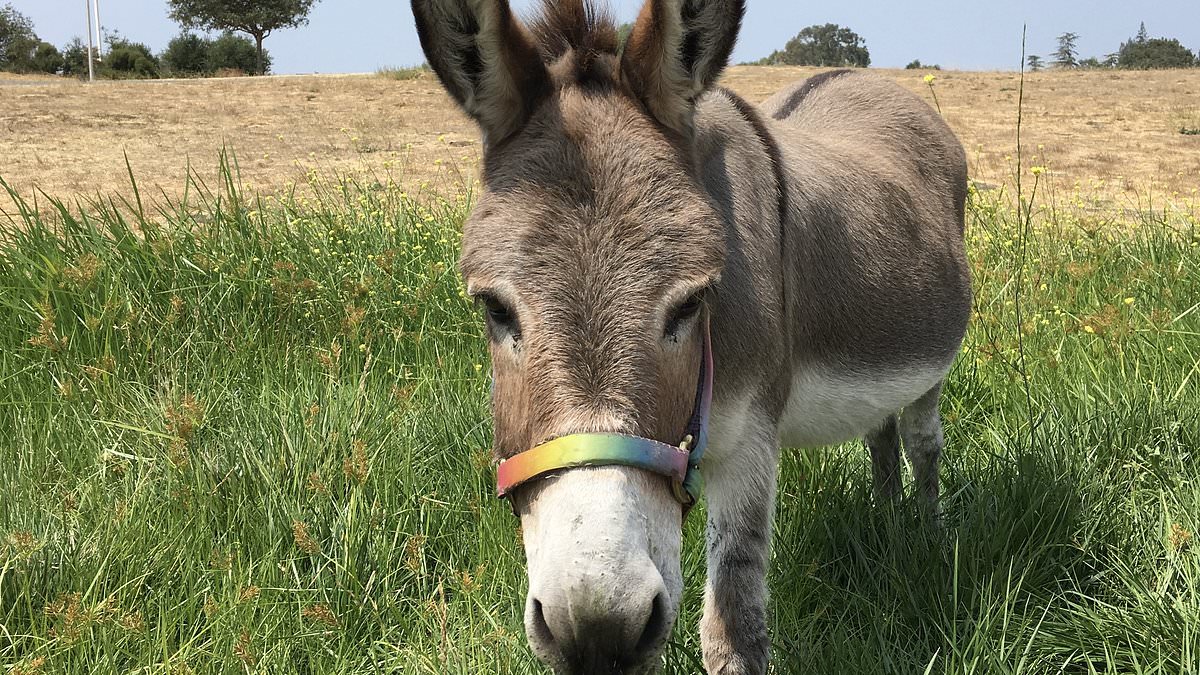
881, 128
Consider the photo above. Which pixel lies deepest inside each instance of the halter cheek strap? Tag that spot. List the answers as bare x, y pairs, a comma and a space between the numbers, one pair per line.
681, 464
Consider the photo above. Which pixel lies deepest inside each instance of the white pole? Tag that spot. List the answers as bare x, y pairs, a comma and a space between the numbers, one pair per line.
87, 9
99, 38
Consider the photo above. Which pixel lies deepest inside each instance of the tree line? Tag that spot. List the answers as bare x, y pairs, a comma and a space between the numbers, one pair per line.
1140, 52
837, 46
189, 54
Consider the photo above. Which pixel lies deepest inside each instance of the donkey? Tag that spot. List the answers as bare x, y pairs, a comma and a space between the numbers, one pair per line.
638, 223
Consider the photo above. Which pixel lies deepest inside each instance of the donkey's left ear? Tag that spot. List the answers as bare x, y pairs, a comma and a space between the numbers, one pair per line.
676, 51
485, 59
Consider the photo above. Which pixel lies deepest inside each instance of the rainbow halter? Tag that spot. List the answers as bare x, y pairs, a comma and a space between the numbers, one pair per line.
679, 463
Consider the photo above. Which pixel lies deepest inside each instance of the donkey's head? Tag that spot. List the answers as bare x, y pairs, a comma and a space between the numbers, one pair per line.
591, 247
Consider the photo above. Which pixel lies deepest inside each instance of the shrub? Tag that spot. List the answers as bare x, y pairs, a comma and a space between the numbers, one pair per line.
234, 52
47, 59
188, 54
129, 59
916, 64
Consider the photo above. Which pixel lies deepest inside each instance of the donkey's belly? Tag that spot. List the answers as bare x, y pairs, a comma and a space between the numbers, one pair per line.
828, 406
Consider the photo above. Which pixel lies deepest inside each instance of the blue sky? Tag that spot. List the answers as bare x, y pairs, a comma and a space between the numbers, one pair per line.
953, 33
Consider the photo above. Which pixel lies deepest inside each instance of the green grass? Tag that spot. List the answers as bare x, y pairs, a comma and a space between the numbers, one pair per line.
242, 433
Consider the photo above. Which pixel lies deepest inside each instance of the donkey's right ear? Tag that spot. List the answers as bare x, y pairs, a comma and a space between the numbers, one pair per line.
486, 59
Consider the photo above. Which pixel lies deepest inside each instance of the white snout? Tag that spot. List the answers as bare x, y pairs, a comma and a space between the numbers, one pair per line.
603, 546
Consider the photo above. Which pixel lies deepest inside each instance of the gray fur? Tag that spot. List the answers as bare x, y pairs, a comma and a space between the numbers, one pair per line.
921, 429
884, 446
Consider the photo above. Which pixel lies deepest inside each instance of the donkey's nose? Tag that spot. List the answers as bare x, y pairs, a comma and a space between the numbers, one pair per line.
587, 628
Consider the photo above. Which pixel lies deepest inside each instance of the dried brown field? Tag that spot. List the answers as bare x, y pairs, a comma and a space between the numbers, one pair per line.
1113, 133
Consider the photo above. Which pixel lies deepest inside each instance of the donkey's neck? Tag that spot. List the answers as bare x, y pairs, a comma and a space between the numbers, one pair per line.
739, 164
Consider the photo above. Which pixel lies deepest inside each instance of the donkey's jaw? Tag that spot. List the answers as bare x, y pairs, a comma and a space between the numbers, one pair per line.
603, 546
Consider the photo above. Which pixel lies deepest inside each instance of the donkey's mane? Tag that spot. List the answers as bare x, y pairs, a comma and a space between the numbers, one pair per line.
580, 30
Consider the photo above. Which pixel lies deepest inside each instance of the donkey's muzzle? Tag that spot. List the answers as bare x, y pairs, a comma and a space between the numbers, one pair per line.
580, 630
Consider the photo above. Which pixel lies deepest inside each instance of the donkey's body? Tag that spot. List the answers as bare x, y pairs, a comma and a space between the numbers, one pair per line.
625, 202
843, 301
846, 292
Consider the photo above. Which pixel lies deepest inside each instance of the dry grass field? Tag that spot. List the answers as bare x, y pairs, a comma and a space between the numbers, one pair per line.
1113, 134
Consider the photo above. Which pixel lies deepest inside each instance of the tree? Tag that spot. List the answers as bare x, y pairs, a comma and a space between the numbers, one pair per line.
1142, 35
827, 45
234, 52
1066, 56
1034, 62
75, 56
18, 42
256, 18
916, 64
1154, 53
47, 59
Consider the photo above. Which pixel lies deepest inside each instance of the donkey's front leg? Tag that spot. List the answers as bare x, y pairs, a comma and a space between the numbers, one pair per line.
741, 497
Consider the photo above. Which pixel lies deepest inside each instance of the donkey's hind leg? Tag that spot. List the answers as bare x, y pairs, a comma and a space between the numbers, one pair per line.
921, 430
884, 444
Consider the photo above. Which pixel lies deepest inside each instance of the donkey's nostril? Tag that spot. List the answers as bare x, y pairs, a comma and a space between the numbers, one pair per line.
657, 626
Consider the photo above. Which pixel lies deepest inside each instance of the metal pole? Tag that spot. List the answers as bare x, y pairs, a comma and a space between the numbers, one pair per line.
87, 9
99, 38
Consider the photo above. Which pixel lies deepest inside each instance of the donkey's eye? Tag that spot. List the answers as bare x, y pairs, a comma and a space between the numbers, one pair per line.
499, 316
684, 311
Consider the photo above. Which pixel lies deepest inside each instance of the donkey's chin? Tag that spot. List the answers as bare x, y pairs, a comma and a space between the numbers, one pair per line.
603, 546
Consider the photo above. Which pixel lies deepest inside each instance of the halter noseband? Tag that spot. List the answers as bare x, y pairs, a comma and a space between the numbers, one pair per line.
679, 463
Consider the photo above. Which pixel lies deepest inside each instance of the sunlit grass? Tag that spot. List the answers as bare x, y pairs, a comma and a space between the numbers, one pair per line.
250, 434
405, 73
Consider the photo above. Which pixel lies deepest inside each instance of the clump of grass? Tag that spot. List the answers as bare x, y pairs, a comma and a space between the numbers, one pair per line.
244, 432
405, 73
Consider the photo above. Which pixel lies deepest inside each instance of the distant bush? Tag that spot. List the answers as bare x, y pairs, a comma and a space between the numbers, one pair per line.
187, 54
47, 59
233, 52
916, 64
127, 59
1094, 63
